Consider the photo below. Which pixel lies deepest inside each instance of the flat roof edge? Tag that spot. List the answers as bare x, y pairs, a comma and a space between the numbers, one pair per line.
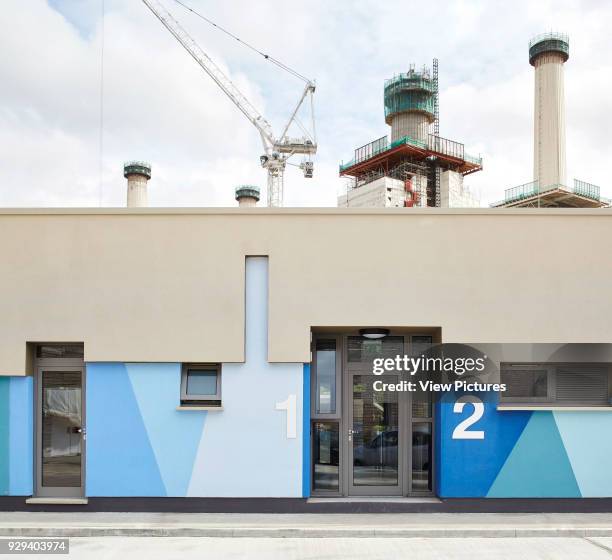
298, 210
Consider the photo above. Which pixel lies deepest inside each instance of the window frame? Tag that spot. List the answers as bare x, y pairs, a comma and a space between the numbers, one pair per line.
198, 400
323, 416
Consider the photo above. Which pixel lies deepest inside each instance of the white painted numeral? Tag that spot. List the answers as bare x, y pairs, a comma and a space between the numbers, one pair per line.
289, 405
461, 431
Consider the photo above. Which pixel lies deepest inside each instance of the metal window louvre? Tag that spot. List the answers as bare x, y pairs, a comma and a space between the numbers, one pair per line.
521, 383
581, 383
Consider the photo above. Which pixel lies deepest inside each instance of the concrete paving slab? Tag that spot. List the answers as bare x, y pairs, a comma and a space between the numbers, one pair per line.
306, 525
334, 549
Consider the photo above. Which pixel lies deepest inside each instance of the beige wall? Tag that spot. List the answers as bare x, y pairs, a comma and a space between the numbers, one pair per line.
168, 285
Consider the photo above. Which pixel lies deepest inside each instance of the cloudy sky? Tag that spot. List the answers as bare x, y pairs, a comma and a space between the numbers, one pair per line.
160, 106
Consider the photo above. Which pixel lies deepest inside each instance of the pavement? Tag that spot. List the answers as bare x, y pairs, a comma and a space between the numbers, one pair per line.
203, 548
580, 526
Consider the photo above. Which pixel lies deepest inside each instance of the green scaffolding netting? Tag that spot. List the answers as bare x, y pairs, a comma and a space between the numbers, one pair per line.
412, 91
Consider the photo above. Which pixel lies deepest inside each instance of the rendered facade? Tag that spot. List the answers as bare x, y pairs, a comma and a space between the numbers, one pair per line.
226, 353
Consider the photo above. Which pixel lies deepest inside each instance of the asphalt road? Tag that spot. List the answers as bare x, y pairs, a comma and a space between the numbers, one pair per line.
204, 548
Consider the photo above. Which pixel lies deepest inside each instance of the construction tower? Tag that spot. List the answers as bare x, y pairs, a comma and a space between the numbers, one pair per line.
416, 167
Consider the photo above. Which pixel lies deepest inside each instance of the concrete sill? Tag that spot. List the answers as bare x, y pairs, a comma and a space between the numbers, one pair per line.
208, 408
503, 408
57, 501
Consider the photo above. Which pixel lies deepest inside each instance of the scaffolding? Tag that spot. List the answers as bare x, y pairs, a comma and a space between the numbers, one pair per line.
587, 189
548, 42
420, 158
436, 146
410, 91
436, 199
582, 195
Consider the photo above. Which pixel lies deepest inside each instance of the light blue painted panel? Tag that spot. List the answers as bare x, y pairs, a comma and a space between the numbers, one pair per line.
244, 449
174, 435
21, 438
120, 459
587, 437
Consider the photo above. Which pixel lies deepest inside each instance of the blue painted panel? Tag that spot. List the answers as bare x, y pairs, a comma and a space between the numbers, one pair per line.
21, 439
138, 444
467, 468
4, 434
306, 433
538, 466
120, 458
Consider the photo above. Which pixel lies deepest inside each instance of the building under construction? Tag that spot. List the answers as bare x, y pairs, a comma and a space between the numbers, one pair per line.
416, 167
548, 54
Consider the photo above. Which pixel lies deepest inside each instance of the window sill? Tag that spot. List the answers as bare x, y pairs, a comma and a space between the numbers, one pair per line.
209, 408
548, 407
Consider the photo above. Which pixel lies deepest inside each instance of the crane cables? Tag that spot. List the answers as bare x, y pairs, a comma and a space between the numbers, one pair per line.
249, 46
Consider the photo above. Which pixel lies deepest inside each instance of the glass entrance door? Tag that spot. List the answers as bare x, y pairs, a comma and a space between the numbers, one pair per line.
375, 438
59, 431
368, 442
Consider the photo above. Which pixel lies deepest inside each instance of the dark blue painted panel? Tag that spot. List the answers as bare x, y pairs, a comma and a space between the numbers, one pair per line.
306, 433
468, 467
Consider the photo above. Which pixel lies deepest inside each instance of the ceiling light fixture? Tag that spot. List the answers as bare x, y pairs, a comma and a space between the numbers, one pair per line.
374, 334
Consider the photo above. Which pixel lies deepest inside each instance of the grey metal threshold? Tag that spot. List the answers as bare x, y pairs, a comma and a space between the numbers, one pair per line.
57, 501
375, 499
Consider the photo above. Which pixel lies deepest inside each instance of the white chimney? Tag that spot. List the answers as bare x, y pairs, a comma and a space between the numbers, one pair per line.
247, 195
547, 54
137, 174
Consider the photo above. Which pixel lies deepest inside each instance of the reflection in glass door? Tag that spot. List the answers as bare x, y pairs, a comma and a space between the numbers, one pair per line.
59, 432
375, 448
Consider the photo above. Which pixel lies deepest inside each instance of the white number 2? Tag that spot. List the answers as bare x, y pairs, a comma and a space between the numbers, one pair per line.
461, 431
290, 406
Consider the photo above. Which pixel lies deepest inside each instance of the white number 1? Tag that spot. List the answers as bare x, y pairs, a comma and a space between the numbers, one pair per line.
289, 405
461, 431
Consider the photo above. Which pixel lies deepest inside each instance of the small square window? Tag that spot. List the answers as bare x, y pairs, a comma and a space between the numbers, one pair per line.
201, 385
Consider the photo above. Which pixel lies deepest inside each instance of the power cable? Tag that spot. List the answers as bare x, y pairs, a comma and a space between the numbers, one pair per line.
101, 138
249, 46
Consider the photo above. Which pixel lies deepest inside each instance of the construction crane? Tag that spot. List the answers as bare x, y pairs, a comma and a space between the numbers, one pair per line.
277, 150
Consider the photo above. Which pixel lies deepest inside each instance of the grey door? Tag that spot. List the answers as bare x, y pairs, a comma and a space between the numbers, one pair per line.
376, 438
59, 442
376, 421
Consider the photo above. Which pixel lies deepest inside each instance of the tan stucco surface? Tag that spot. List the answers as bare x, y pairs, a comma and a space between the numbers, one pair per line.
168, 284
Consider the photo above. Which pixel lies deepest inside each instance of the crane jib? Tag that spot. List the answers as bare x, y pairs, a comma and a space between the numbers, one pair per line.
277, 150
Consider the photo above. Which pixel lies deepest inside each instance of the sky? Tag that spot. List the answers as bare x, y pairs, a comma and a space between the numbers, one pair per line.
65, 132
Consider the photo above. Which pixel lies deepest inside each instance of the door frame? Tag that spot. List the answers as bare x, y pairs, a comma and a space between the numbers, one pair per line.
56, 364
344, 417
